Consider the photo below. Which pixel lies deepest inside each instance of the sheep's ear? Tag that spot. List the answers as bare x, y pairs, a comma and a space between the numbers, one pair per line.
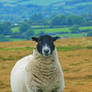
56, 38
35, 39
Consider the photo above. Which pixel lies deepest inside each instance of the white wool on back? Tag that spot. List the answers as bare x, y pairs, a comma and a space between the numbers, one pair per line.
36, 72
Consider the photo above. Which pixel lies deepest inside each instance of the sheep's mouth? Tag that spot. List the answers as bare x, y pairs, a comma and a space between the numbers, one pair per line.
46, 54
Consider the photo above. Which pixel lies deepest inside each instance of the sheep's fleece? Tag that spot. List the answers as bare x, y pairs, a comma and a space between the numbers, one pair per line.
35, 73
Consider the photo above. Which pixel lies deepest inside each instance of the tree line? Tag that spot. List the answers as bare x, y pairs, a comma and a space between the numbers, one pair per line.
25, 30
62, 20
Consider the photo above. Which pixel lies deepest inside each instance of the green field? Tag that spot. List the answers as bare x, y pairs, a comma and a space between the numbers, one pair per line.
46, 30
15, 29
51, 30
66, 29
86, 27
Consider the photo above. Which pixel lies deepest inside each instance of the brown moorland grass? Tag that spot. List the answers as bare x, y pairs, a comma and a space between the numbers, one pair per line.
77, 64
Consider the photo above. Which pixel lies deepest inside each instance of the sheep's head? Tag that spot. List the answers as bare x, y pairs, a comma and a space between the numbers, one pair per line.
45, 44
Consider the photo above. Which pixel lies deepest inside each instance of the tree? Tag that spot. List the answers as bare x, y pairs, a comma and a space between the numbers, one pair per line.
5, 28
28, 34
67, 20
41, 33
24, 27
75, 29
89, 34
3, 38
58, 20
25, 31
37, 19
75, 20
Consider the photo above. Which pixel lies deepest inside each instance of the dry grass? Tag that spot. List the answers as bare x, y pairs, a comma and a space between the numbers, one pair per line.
77, 64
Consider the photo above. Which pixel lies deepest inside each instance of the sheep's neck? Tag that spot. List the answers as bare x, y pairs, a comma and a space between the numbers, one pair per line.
45, 67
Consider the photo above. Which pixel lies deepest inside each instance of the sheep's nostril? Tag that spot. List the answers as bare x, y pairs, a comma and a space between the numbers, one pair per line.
46, 51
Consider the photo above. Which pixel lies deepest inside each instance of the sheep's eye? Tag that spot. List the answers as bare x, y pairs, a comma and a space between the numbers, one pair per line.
39, 90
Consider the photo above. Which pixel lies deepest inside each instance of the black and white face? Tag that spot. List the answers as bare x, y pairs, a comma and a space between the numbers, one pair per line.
45, 44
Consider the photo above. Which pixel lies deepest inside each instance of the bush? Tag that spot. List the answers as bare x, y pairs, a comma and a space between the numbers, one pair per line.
5, 28
90, 33
75, 29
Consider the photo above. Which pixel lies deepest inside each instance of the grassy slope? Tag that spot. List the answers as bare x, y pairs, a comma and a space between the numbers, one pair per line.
76, 62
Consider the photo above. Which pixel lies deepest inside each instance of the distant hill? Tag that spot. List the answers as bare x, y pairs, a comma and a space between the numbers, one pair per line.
37, 2
11, 10
76, 7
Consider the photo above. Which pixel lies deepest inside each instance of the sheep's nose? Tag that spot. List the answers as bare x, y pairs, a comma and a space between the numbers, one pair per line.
46, 51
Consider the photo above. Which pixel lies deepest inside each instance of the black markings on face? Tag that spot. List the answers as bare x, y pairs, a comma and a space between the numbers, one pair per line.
45, 44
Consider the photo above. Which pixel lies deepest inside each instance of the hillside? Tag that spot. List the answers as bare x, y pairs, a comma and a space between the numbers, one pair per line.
21, 9
75, 56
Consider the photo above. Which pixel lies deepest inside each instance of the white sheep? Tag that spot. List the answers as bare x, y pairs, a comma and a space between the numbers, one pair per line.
39, 72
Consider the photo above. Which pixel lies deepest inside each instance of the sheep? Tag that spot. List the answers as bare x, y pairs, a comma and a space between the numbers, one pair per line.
41, 71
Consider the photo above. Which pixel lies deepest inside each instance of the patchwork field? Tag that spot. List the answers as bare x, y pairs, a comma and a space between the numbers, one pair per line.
65, 32
75, 56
